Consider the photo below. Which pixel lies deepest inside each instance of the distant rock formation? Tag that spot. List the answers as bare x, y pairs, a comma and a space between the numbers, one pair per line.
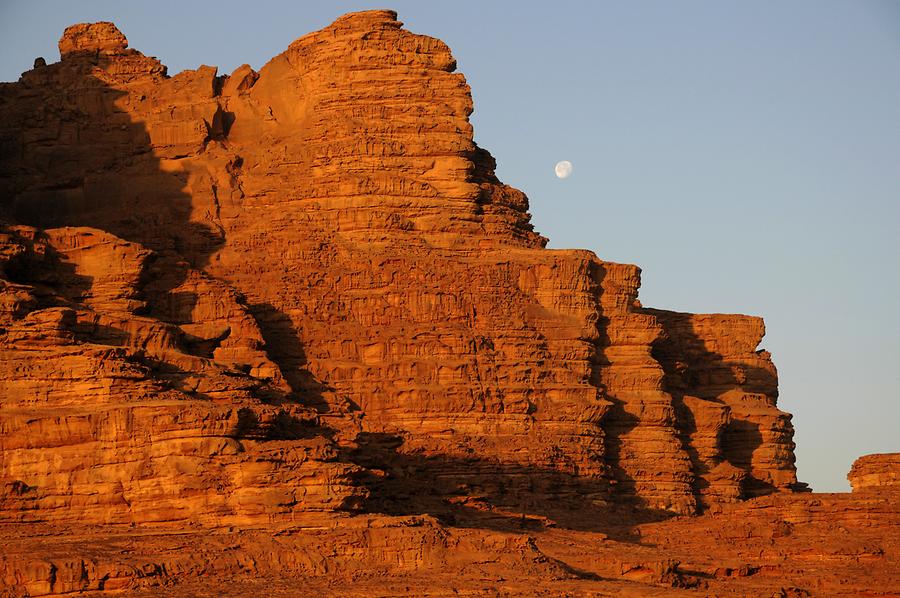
246, 299
876, 472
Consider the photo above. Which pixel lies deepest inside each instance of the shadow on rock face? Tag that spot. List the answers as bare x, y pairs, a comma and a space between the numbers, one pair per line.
478, 493
75, 154
104, 139
729, 400
283, 346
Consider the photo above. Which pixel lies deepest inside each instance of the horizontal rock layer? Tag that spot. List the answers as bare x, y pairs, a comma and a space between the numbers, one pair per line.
124, 403
796, 545
876, 472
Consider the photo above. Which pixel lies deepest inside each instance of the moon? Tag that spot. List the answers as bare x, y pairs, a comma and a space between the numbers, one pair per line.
563, 169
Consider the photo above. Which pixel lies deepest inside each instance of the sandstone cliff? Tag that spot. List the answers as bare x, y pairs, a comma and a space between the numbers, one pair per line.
241, 299
325, 234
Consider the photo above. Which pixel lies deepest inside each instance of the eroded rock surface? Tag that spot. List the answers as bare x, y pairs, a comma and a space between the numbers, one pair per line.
244, 299
876, 472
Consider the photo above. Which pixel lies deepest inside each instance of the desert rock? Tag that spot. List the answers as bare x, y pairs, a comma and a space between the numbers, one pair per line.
299, 300
876, 472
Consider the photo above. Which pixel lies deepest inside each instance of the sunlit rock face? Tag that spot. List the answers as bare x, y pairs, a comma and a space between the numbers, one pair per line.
878, 473
230, 296
287, 329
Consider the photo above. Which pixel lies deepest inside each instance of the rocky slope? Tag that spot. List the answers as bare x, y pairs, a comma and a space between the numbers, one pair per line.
259, 298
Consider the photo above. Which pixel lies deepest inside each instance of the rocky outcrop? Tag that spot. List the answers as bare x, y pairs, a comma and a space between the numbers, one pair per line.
111, 416
876, 472
724, 391
287, 327
316, 259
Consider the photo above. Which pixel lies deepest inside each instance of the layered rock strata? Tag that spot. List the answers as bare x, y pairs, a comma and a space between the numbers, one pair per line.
879, 473
786, 544
230, 292
112, 413
724, 391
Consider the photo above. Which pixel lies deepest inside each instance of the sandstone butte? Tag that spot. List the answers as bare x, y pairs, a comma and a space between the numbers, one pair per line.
285, 331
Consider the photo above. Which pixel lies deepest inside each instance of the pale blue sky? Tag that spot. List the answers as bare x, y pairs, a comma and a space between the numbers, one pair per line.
745, 155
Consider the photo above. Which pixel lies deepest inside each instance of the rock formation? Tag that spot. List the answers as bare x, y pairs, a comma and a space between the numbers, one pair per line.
876, 472
300, 298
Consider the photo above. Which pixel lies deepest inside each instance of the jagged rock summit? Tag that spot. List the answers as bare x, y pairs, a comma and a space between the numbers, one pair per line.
299, 300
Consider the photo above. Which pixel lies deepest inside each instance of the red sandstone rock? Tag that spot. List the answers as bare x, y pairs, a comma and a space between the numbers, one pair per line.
265, 298
725, 392
102, 37
876, 472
